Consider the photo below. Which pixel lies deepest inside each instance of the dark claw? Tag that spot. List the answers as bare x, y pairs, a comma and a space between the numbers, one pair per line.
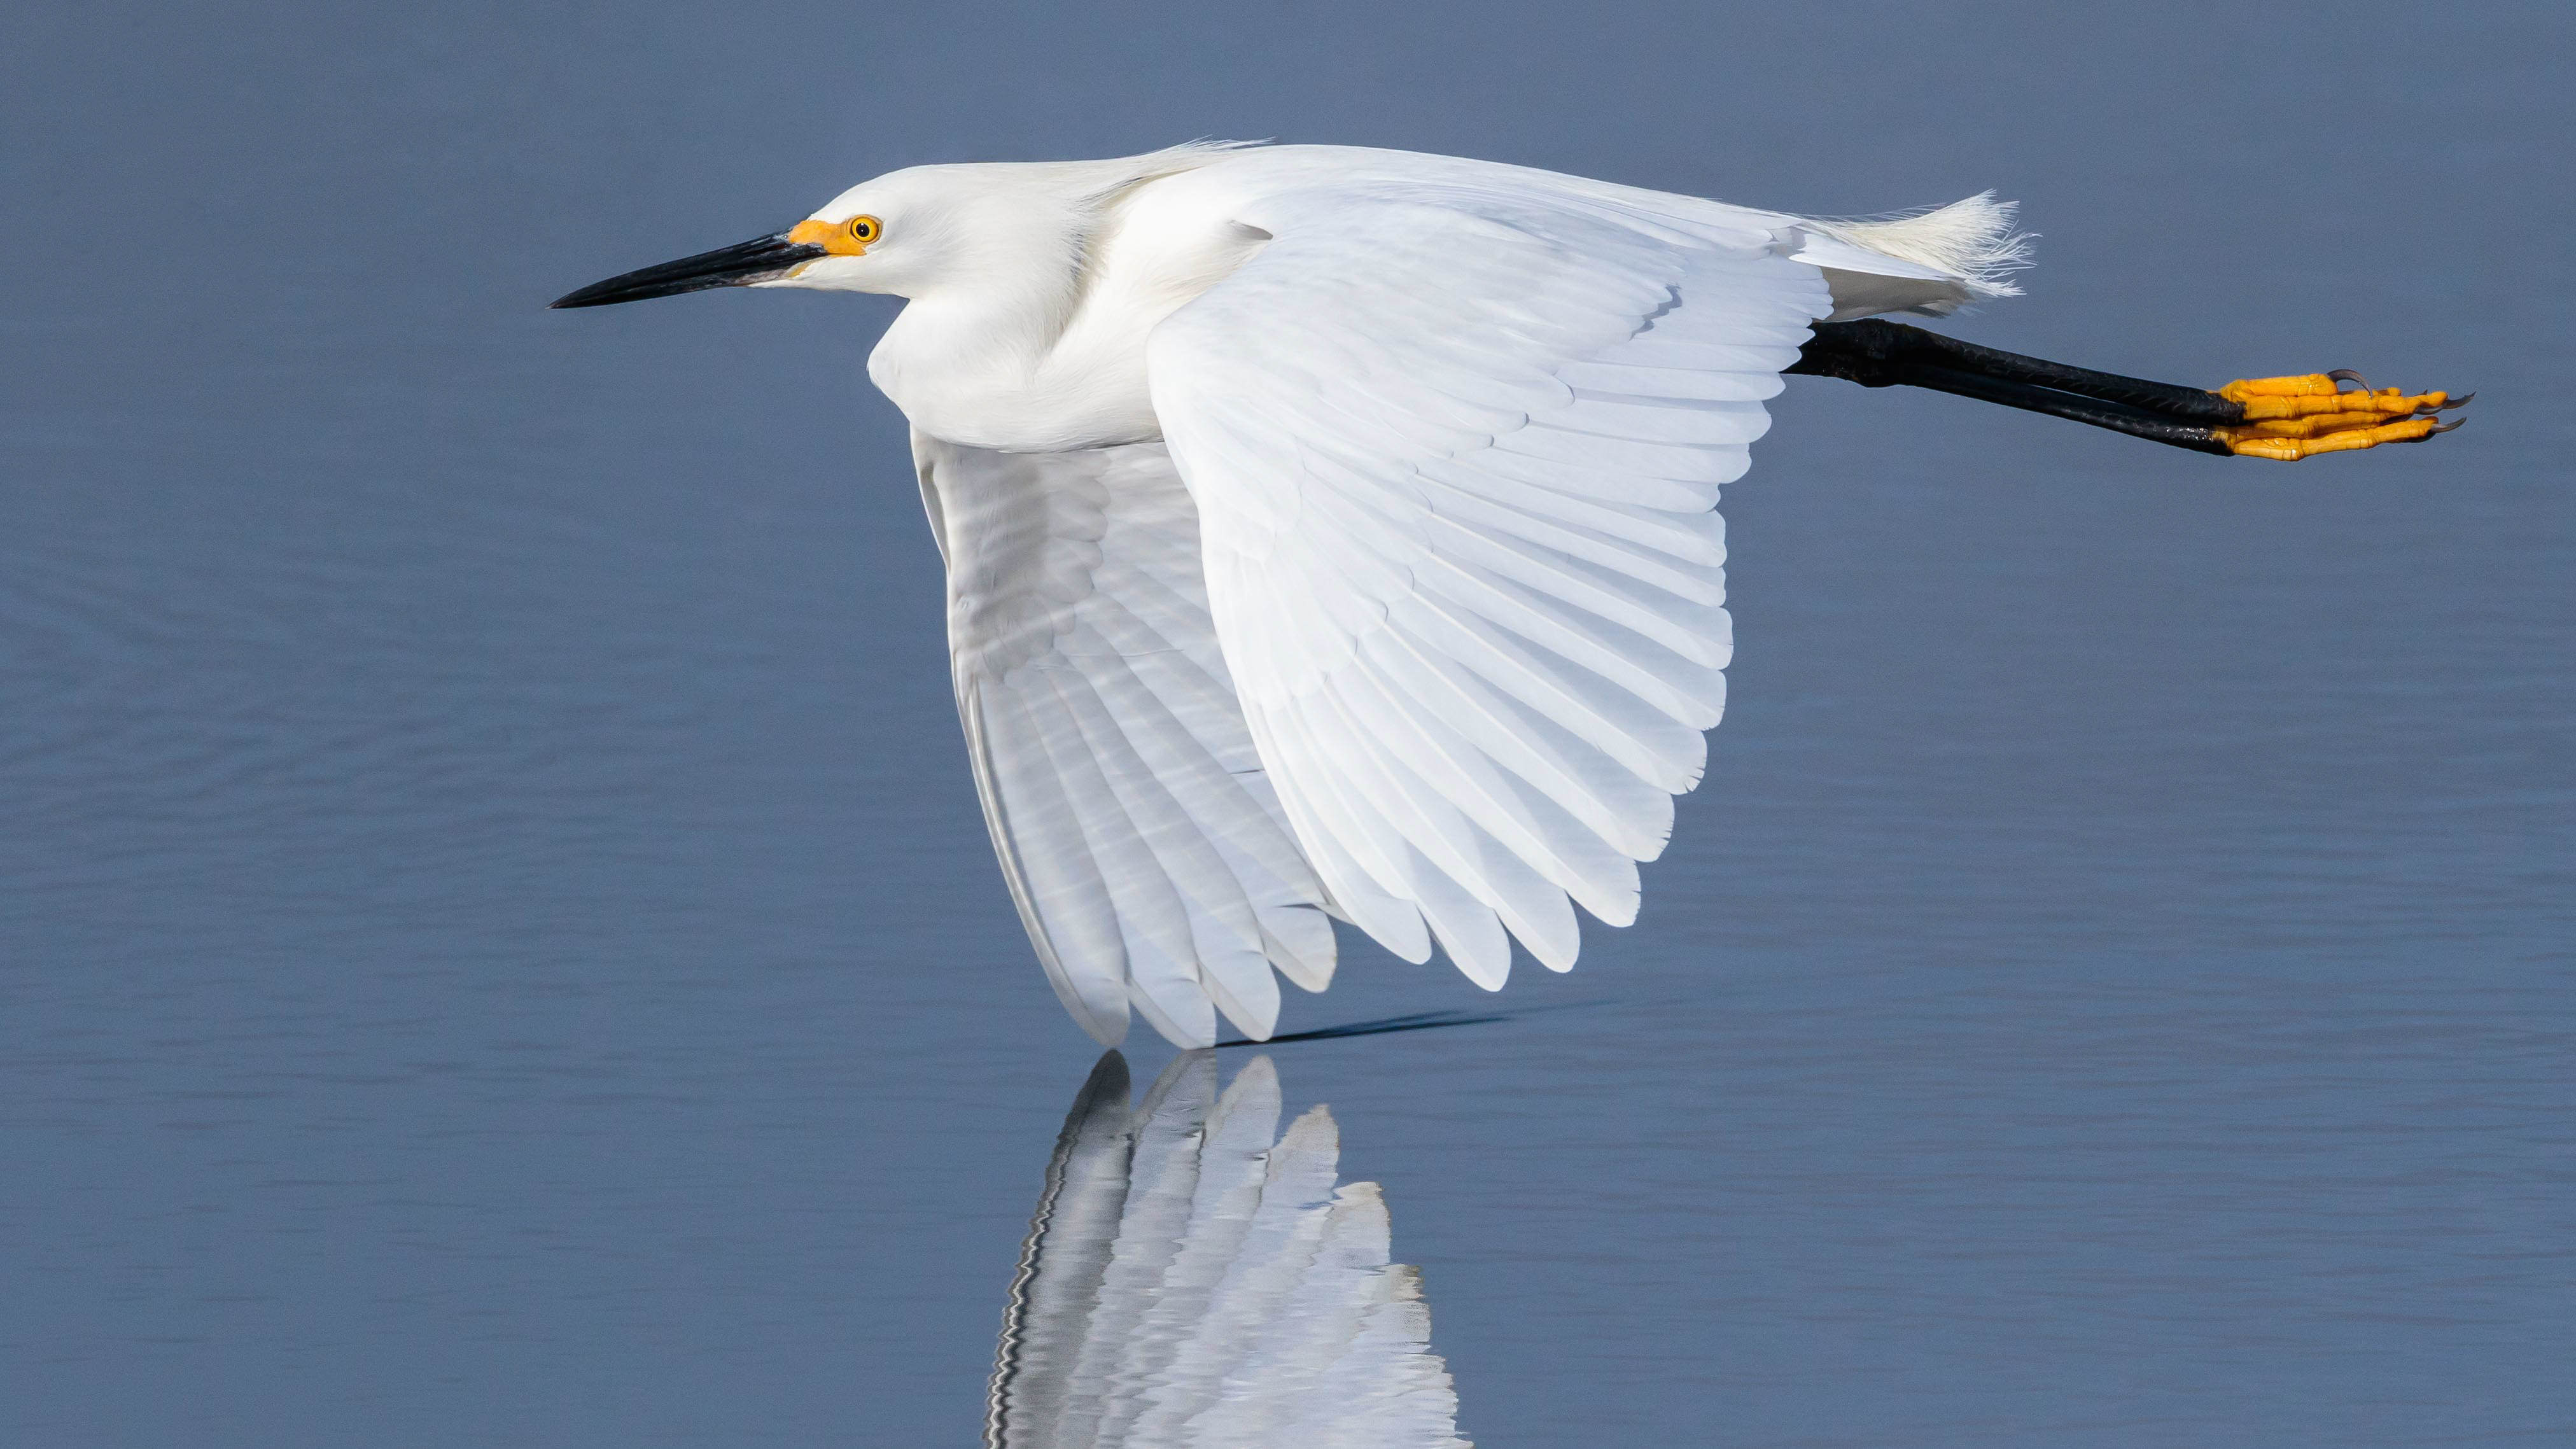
2450, 426
2458, 402
2346, 374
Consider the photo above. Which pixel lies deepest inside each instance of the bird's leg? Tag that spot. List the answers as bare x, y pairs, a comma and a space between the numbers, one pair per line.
2284, 418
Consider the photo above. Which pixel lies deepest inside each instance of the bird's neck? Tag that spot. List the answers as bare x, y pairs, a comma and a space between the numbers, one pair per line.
1019, 367
1039, 343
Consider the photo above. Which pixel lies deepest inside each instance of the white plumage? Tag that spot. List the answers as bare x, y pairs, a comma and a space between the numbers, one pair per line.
1333, 532
1138, 831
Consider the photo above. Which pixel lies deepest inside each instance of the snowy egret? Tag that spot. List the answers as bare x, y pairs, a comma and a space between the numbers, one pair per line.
1331, 532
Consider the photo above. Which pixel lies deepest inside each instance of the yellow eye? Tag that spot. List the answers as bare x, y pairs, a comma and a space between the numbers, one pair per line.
865, 229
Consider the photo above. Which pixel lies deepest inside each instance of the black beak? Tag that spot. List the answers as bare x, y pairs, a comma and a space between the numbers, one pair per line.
760, 260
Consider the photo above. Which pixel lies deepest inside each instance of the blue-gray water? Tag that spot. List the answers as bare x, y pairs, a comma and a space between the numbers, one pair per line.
498, 946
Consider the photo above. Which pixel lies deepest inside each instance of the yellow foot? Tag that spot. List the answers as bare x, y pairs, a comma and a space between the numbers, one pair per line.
2289, 418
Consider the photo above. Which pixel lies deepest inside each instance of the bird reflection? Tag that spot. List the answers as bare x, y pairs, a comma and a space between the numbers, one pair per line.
1195, 1278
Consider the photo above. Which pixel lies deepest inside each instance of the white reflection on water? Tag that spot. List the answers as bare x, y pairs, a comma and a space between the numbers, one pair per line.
1194, 1277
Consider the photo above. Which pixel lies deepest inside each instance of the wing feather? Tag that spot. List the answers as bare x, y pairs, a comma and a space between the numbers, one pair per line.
1455, 452
1151, 860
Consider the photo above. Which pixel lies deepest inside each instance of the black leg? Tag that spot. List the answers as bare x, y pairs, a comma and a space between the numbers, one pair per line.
1874, 353
1889, 350
2283, 418
2118, 417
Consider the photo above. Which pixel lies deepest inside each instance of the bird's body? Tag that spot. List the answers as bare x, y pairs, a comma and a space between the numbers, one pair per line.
1332, 532
1033, 339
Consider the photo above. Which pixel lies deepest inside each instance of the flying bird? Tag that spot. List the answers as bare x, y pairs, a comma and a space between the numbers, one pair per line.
1331, 532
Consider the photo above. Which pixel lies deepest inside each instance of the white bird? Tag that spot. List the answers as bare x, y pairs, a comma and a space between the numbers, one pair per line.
1330, 532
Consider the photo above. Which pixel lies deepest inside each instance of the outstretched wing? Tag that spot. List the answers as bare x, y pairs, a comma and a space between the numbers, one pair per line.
1456, 451
1138, 832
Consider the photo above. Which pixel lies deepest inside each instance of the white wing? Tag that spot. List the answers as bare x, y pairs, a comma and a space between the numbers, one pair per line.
1456, 450
1196, 1279
1139, 835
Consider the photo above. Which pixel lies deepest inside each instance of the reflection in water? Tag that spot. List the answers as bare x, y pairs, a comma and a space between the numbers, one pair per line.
1194, 1277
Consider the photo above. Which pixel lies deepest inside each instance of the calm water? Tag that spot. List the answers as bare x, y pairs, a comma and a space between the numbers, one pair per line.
498, 946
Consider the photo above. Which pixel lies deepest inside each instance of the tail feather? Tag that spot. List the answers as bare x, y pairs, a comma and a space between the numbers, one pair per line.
1972, 241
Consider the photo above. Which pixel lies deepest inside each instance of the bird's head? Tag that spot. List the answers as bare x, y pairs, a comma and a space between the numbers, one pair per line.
906, 232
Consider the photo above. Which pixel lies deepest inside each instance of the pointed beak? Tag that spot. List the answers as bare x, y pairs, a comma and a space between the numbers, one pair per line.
762, 259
